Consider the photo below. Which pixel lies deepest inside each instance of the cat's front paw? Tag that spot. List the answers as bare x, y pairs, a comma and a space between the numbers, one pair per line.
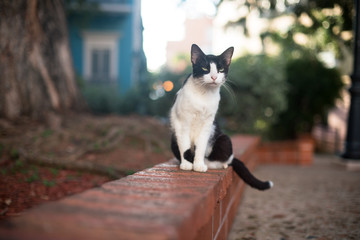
186, 165
200, 167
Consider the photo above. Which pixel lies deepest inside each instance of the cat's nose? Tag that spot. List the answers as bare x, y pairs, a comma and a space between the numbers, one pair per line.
214, 77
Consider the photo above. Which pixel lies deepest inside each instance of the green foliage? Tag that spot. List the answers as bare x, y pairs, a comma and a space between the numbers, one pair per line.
19, 163
313, 90
47, 133
106, 99
145, 98
279, 98
255, 96
328, 19
276, 97
130, 172
102, 99
54, 171
48, 183
34, 176
160, 106
137, 100
14, 153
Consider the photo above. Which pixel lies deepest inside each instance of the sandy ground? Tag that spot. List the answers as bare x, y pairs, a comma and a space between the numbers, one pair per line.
317, 202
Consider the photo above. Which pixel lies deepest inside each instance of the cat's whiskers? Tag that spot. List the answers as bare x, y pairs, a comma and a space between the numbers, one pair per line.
228, 88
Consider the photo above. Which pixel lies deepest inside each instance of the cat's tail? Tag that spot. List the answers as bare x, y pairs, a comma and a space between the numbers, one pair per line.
244, 173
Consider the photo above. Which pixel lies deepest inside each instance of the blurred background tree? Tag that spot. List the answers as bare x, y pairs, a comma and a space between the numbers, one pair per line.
35, 61
311, 84
255, 94
312, 91
323, 25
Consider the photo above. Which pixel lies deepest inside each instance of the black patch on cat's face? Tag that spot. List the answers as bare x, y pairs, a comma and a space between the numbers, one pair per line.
201, 62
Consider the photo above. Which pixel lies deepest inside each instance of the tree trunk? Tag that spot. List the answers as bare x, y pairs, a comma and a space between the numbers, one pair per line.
36, 71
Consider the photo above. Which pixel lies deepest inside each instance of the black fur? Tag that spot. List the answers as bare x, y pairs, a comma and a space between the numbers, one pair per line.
189, 155
244, 173
221, 151
222, 147
175, 147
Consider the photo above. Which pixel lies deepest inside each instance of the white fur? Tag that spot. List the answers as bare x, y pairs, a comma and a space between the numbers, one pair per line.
193, 114
214, 78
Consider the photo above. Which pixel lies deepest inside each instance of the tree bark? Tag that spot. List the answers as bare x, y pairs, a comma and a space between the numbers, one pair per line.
36, 71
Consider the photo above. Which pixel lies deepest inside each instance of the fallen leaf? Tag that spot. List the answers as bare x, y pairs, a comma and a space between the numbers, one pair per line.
8, 201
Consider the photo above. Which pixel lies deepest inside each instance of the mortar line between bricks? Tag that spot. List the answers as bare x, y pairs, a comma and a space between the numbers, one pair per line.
212, 226
220, 212
238, 188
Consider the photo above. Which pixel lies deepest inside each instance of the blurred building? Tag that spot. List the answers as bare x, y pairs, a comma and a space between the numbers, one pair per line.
198, 31
106, 42
213, 36
331, 138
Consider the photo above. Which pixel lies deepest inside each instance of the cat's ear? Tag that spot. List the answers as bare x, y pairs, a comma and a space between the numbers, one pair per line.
227, 54
196, 53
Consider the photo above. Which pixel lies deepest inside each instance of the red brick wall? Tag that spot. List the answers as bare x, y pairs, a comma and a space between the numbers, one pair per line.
287, 152
162, 202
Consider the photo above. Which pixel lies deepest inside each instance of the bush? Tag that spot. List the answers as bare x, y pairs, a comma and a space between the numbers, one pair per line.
161, 104
313, 90
145, 98
101, 99
256, 95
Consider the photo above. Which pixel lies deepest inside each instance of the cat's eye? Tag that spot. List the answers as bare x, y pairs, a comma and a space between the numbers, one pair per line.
205, 69
221, 70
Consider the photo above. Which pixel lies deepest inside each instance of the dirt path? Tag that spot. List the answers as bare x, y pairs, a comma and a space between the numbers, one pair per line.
317, 202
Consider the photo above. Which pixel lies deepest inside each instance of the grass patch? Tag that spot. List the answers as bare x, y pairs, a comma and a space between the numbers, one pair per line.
48, 183
14, 153
130, 172
54, 171
47, 133
33, 177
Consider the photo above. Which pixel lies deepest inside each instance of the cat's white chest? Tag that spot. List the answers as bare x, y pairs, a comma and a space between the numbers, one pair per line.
201, 106
193, 109
197, 105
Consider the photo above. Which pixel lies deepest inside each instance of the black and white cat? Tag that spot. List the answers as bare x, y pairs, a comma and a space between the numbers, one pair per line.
197, 140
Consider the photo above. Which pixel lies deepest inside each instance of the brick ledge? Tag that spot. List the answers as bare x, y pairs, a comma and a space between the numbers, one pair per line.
162, 202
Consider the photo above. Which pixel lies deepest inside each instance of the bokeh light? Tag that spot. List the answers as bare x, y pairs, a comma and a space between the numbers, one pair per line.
168, 85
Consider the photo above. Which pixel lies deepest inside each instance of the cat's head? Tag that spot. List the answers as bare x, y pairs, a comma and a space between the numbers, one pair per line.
210, 70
